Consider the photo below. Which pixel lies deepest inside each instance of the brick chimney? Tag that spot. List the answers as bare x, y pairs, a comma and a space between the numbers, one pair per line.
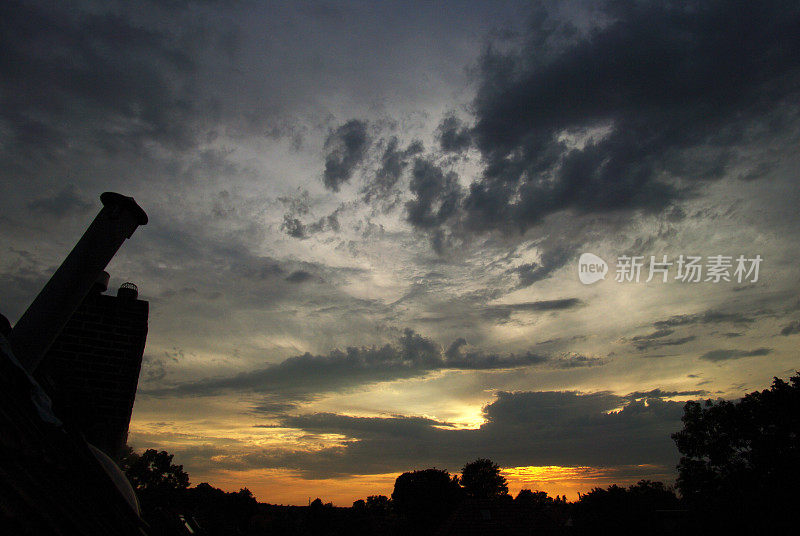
91, 370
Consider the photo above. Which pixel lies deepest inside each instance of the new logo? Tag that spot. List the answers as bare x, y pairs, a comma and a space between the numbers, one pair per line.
591, 268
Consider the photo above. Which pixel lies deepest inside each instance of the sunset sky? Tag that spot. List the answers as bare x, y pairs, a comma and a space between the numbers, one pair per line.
366, 220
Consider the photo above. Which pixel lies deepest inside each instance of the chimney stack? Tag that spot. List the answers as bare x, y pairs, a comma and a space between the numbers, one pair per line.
42, 322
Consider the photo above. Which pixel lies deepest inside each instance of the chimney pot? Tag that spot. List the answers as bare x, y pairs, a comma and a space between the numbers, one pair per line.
128, 290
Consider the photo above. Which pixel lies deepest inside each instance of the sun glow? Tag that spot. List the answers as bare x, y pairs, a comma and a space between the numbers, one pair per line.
570, 481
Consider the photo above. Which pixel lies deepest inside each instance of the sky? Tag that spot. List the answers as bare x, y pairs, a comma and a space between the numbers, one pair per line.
366, 221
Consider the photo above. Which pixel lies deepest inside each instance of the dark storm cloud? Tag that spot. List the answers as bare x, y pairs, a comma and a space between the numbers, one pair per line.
394, 161
346, 147
436, 195
605, 118
726, 355
453, 135
306, 375
522, 428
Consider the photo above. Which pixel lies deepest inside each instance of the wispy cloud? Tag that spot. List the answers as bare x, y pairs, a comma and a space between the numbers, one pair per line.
726, 355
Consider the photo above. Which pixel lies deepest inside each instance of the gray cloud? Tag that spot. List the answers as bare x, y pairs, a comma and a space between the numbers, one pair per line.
707, 317
578, 361
552, 259
654, 335
523, 428
657, 339
436, 195
659, 393
307, 375
660, 91
791, 328
77, 73
647, 345
631, 114
505, 311
383, 188
726, 355
365, 427
67, 200
294, 227
453, 135
300, 276
298, 207
346, 147
273, 406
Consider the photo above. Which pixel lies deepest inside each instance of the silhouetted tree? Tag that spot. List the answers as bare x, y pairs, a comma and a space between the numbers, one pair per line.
425, 498
534, 499
160, 486
481, 479
219, 512
743, 457
373, 516
542, 514
378, 504
153, 473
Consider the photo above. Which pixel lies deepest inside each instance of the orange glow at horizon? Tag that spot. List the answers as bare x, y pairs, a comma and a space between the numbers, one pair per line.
279, 486
570, 481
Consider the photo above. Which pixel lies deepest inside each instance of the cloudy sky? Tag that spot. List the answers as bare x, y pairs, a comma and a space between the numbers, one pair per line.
366, 220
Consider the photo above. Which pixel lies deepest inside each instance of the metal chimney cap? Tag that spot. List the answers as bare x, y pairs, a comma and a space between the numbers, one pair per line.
122, 201
128, 290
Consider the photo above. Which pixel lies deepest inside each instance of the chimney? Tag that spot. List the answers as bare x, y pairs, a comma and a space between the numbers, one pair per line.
40, 325
128, 291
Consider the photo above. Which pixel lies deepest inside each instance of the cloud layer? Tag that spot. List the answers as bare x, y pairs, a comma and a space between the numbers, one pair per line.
521, 429
306, 376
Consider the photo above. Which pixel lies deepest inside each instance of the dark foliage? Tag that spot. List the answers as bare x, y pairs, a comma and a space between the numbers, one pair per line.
481, 479
741, 460
624, 510
216, 511
153, 473
538, 500
423, 499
